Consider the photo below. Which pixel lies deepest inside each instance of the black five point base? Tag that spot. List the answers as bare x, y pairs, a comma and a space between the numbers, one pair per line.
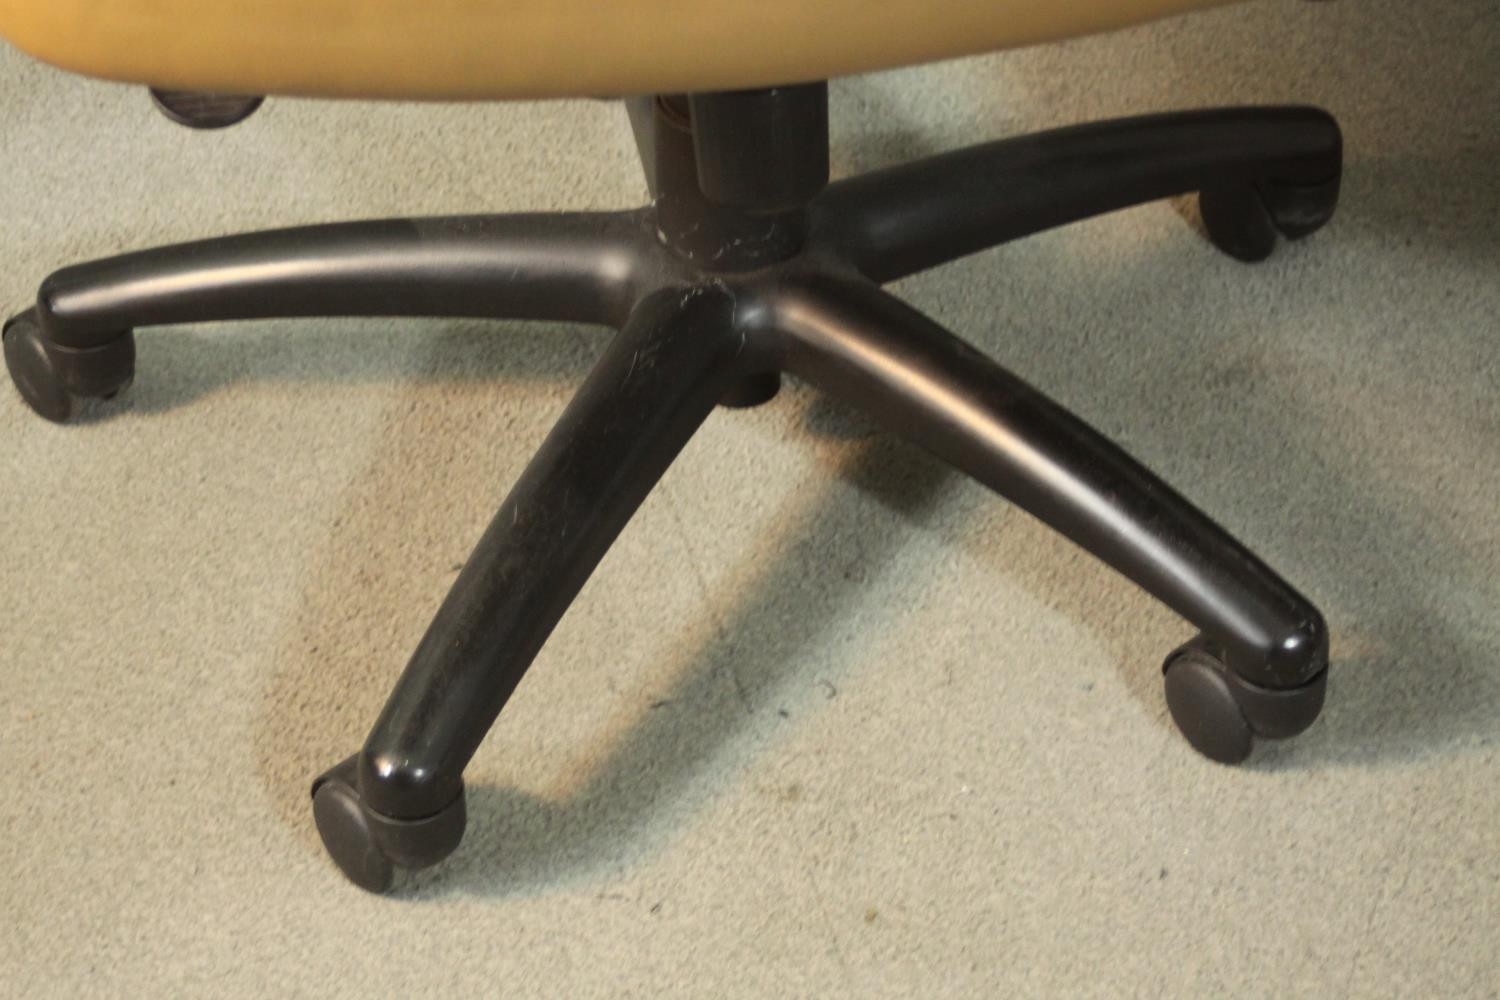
746, 265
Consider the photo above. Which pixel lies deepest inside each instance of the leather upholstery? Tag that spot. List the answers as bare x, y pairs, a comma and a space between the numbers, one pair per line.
477, 49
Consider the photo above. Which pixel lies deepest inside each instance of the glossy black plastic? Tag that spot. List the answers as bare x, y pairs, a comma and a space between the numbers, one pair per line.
745, 266
657, 381
908, 218
858, 342
585, 267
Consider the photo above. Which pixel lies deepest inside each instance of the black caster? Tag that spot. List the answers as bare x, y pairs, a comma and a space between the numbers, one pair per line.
1221, 713
1244, 219
204, 111
54, 380
367, 846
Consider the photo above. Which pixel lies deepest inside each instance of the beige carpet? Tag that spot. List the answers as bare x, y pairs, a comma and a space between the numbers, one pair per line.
830, 721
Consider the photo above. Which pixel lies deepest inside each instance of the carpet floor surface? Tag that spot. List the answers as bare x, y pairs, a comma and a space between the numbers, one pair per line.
830, 720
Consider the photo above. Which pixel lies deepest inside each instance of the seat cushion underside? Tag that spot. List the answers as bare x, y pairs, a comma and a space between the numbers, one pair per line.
482, 49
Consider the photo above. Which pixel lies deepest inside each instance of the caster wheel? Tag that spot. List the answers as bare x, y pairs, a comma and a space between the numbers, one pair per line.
347, 837
1244, 219
55, 380
204, 111
1221, 714
367, 846
1238, 222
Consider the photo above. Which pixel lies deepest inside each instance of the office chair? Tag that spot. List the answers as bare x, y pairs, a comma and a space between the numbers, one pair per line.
746, 264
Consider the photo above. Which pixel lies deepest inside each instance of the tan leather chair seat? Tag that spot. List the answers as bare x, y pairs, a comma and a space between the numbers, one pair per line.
480, 49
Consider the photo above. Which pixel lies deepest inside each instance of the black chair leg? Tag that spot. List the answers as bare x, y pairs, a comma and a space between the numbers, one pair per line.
78, 342
1257, 668
1261, 171
655, 384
